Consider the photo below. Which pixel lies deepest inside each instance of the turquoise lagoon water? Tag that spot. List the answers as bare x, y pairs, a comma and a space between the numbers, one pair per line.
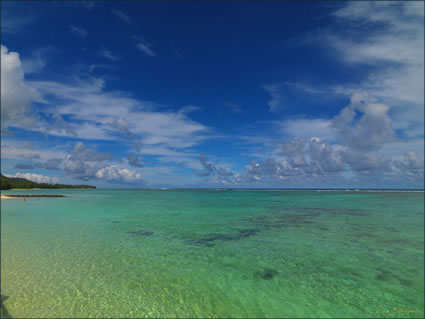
213, 253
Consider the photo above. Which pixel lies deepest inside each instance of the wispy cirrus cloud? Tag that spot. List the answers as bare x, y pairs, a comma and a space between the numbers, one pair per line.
144, 46
15, 17
175, 50
78, 31
276, 94
121, 15
106, 53
97, 114
88, 5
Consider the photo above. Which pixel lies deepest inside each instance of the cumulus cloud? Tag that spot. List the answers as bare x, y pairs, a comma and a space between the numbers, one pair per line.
83, 162
358, 132
135, 161
35, 177
78, 31
388, 38
307, 128
115, 174
371, 130
294, 152
366, 162
16, 94
86, 163
317, 163
215, 172
394, 47
325, 156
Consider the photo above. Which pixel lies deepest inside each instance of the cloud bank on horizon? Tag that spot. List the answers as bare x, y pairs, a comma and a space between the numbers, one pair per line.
130, 102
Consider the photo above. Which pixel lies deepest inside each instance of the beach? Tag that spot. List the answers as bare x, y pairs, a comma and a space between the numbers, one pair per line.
214, 253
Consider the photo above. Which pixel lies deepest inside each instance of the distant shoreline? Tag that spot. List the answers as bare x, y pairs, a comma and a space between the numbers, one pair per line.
29, 196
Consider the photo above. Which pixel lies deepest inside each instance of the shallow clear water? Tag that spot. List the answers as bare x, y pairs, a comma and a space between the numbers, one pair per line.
206, 253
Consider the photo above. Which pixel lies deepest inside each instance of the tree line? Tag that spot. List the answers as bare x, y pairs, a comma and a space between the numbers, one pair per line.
17, 182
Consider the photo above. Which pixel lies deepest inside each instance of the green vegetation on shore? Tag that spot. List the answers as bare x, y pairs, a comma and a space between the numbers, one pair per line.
15, 182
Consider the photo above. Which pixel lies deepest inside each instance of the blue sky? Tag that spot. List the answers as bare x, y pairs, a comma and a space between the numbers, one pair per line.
214, 94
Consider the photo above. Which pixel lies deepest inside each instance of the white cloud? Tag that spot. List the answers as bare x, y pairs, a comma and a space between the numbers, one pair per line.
115, 174
394, 45
16, 94
144, 46
36, 62
89, 5
124, 17
35, 177
115, 116
16, 150
85, 163
276, 93
364, 150
78, 32
307, 128
388, 37
106, 53
372, 130
134, 160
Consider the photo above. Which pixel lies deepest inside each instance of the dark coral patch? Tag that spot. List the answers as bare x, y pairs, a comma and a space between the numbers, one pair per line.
141, 233
331, 211
210, 239
384, 274
281, 221
266, 274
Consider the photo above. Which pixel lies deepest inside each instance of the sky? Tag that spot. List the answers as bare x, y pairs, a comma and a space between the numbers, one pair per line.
270, 94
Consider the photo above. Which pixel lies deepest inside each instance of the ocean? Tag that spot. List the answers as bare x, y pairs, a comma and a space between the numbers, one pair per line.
213, 253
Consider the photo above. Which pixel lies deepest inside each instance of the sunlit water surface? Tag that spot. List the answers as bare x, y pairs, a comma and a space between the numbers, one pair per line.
213, 253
